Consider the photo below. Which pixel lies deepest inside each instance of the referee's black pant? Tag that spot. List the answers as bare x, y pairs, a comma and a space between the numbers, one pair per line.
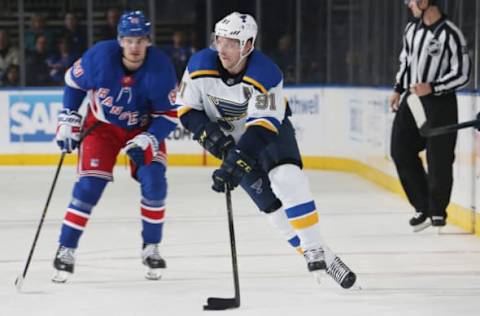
428, 191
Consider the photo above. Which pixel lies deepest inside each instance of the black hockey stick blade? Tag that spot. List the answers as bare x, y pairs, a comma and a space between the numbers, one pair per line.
19, 282
218, 303
436, 131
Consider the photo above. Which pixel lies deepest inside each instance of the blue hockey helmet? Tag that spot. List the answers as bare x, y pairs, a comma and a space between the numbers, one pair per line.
133, 23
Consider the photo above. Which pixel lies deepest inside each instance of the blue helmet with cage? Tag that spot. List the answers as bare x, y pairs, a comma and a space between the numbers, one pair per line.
133, 23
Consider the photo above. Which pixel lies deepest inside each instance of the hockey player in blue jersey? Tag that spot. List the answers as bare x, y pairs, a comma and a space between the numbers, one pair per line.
231, 99
128, 84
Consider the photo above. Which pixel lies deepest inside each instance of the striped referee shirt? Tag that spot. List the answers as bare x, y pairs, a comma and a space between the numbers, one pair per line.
435, 54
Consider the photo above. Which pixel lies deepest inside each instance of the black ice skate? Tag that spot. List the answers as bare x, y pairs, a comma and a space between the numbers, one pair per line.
341, 273
64, 264
439, 222
419, 222
315, 258
152, 259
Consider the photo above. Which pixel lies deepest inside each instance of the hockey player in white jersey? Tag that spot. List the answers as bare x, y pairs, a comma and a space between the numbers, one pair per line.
231, 99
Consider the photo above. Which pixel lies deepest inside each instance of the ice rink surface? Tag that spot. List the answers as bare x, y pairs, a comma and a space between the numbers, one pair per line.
401, 273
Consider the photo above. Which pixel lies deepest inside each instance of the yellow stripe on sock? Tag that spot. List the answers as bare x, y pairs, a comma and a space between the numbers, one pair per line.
305, 222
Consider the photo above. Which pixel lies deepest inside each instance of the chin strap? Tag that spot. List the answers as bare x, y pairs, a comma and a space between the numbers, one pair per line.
242, 57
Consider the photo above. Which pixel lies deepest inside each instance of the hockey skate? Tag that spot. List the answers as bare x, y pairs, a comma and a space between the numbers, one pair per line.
315, 258
341, 273
439, 222
64, 264
419, 222
152, 259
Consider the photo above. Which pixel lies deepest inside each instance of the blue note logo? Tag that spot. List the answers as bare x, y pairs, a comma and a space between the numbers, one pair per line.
33, 118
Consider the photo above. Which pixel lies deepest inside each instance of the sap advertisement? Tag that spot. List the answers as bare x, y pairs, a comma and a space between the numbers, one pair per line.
32, 118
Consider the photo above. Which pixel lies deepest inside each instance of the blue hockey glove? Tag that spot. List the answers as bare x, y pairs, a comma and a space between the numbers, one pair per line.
232, 170
68, 130
142, 149
214, 140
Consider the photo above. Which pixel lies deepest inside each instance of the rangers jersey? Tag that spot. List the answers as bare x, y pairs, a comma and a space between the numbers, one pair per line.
255, 98
126, 99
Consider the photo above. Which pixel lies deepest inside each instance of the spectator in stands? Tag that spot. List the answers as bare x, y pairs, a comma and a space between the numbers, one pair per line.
284, 56
37, 28
74, 34
37, 72
11, 77
179, 52
61, 60
109, 31
8, 53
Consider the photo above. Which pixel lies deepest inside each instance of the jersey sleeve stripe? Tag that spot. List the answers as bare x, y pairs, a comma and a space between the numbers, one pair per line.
255, 83
172, 114
269, 119
69, 80
263, 122
204, 73
183, 109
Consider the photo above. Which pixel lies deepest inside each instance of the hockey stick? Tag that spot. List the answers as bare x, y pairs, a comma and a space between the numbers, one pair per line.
416, 107
429, 132
218, 303
21, 278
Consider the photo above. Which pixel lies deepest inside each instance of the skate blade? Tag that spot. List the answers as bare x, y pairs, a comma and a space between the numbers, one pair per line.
153, 274
422, 226
61, 277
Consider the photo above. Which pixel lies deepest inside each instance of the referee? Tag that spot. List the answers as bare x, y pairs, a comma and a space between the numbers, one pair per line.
434, 63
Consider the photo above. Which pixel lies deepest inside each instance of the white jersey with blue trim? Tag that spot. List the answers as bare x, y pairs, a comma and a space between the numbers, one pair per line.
255, 100
128, 100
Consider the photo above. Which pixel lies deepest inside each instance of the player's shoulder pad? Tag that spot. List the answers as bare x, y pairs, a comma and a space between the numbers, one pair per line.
160, 76
157, 61
203, 64
262, 73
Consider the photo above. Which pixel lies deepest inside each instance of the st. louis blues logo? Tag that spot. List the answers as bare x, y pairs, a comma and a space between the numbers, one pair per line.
229, 110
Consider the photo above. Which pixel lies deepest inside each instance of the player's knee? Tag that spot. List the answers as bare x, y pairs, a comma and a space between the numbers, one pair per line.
89, 189
257, 186
277, 204
154, 182
290, 184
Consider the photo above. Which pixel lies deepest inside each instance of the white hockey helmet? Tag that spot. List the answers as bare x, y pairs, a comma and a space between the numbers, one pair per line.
237, 26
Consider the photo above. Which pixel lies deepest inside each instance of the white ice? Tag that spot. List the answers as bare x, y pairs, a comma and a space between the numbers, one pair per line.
401, 273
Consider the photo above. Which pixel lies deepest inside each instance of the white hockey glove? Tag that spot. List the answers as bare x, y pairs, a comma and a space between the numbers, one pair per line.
68, 130
142, 148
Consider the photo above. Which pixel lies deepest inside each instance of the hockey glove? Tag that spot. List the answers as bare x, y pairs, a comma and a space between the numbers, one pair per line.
68, 130
142, 148
214, 140
232, 170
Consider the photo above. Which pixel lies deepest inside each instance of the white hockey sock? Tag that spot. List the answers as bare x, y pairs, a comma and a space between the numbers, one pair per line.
290, 185
278, 219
